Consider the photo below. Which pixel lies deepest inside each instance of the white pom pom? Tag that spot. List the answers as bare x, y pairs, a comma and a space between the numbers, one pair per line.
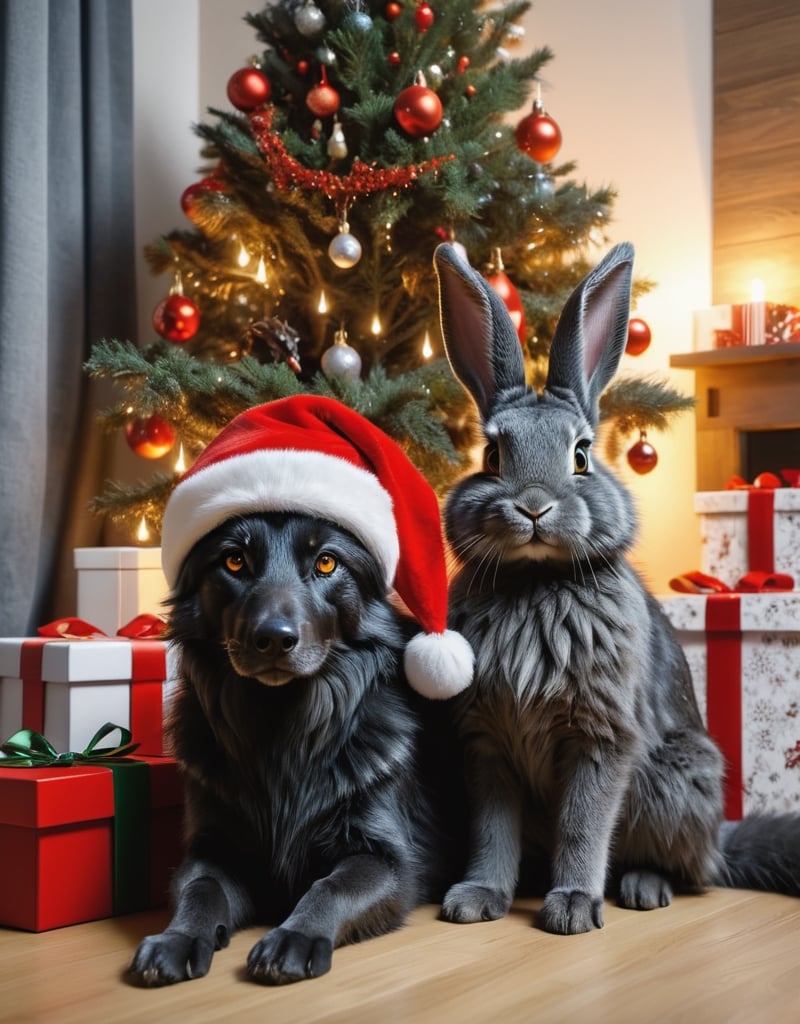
439, 665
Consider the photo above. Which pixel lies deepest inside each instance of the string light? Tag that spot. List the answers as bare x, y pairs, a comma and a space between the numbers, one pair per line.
376, 325
323, 303
261, 273
180, 462
427, 348
143, 534
244, 256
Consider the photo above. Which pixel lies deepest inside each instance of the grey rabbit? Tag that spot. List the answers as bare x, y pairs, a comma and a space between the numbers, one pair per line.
587, 763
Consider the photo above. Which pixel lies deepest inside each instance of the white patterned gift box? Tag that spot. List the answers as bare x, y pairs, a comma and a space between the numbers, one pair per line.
67, 689
749, 529
743, 651
115, 584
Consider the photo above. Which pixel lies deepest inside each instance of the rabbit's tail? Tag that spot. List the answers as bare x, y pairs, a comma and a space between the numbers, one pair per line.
761, 851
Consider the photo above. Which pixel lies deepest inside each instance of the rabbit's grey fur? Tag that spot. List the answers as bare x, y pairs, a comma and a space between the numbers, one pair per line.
586, 756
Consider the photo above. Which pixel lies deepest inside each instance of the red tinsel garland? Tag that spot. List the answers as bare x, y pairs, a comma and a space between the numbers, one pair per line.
362, 180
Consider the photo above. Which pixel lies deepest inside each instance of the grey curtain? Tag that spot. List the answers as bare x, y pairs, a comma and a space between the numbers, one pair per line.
66, 279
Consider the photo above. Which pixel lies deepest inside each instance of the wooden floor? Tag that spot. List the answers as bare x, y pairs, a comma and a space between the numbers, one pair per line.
721, 957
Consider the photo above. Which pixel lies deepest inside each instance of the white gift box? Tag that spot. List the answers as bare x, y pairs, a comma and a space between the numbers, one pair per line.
116, 584
761, 751
67, 689
725, 521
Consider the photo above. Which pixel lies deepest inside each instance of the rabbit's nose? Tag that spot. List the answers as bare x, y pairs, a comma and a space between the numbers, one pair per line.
534, 514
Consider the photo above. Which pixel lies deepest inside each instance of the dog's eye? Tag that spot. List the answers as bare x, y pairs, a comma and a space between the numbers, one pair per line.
581, 463
325, 564
491, 459
234, 562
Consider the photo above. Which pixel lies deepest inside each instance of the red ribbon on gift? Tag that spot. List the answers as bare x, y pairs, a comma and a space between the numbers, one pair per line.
724, 665
142, 627
148, 672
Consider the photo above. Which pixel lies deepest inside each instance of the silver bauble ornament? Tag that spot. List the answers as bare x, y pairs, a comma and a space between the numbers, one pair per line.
544, 187
341, 360
345, 250
337, 144
309, 20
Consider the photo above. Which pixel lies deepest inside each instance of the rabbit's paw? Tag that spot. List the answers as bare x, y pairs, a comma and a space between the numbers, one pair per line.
570, 911
468, 902
170, 957
284, 956
644, 890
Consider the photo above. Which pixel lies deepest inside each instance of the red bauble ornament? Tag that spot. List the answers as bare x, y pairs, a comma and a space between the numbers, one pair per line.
393, 11
150, 438
504, 287
323, 100
190, 194
638, 336
538, 135
418, 109
643, 457
248, 88
768, 480
176, 318
424, 17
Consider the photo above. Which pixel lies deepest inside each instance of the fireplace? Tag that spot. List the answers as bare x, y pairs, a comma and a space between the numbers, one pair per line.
747, 413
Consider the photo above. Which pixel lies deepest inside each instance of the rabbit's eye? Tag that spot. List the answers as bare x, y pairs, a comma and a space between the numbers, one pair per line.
491, 459
581, 464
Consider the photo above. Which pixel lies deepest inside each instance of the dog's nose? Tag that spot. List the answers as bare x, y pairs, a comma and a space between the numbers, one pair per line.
275, 636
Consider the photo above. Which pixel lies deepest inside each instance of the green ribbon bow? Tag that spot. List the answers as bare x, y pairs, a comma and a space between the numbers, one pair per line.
29, 749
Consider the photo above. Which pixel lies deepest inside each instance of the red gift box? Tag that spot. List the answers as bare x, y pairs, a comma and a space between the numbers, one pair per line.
83, 842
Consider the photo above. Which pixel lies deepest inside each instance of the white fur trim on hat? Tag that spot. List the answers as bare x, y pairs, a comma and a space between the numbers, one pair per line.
278, 480
439, 665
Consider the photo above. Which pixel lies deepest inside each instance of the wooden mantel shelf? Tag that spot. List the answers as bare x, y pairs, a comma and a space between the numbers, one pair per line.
736, 355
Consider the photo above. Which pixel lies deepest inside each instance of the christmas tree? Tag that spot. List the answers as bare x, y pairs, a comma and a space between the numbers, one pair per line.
362, 135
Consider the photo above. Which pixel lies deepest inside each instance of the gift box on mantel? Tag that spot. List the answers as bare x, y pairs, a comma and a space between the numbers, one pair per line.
63, 687
749, 529
87, 840
743, 651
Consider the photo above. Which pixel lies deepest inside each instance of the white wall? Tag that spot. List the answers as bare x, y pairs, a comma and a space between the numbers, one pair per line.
630, 87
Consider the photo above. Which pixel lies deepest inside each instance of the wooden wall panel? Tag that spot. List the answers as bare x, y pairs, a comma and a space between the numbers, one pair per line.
756, 167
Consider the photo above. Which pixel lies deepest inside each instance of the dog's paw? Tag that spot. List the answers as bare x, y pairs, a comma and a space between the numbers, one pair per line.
570, 911
170, 957
467, 903
284, 956
644, 890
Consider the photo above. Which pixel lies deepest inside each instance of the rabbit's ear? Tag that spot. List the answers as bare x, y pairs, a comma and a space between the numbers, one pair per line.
593, 329
479, 336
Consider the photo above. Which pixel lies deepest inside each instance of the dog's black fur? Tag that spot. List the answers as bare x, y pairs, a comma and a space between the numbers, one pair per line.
305, 754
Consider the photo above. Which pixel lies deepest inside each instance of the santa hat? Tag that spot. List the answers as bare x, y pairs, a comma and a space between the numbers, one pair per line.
316, 456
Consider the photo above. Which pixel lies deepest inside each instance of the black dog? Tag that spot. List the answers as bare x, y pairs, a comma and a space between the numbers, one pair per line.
306, 798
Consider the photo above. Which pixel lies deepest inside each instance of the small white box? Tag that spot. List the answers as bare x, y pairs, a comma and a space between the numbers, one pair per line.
768, 690
724, 520
117, 584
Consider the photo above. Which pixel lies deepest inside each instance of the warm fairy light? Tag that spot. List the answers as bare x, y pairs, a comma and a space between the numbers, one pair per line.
323, 303
376, 325
427, 348
143, 534
244, 256
180, 462
261, 273
757, 290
